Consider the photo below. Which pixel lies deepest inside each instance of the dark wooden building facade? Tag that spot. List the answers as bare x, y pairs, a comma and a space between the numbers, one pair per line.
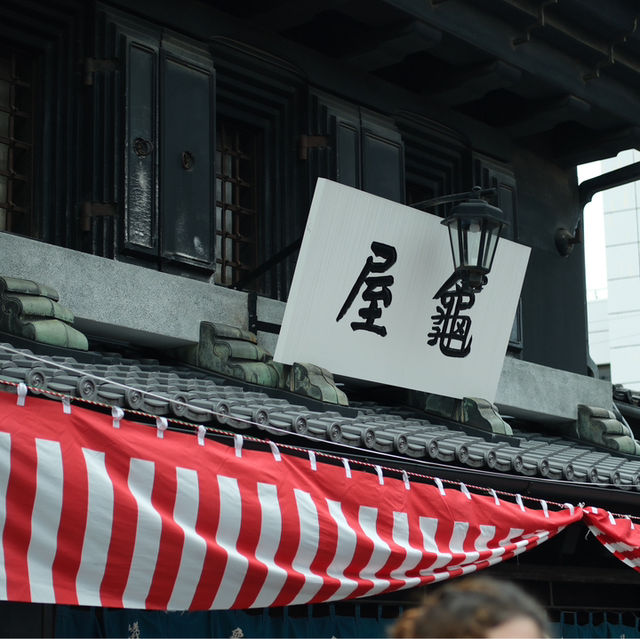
187, 138
114, 113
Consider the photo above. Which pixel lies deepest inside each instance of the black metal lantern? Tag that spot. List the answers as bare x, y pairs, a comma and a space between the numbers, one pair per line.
474, 230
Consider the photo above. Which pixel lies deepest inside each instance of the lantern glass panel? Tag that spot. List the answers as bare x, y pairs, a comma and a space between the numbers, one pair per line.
474, 239
493, 233
456, 238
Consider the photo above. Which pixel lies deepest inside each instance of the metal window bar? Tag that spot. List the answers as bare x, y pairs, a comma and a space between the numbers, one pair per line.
236, 202
16, 140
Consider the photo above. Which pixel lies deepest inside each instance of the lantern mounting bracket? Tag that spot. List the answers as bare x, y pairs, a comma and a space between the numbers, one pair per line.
476, 193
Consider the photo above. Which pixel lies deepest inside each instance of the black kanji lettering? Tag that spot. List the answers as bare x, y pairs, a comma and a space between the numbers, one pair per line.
451, 330
377, 289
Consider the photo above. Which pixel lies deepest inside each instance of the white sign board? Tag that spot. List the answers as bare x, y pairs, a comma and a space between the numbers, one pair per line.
356, 311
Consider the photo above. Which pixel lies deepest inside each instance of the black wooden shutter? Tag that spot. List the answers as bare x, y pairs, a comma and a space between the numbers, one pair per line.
141, 59
364, 150
339, 159
167, 96
186, 157
347, 150
382, 158
490, 173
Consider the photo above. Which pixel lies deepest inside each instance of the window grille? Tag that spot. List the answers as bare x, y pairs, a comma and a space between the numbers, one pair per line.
16, 141
236, 201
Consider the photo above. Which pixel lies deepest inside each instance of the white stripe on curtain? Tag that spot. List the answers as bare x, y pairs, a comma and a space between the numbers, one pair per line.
45, 520
194, 549
268, 544
345, 549
5, 471
97, 536
227, 538
148, 533
308, 547
413, 556
368, 519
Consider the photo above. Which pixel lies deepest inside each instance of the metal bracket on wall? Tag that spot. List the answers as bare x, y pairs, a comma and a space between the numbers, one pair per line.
307, 142
95, 65
539, 23
269, 264
96, 209
476, 192
254, 323
565, 239
617, 177
610, 59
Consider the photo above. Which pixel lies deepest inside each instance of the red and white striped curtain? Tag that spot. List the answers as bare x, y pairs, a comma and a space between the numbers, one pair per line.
106, 512
619, 535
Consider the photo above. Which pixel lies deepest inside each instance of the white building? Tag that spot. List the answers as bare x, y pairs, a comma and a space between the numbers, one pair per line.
612, 235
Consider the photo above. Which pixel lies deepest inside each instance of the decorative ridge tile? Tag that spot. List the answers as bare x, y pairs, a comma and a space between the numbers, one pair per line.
31, 311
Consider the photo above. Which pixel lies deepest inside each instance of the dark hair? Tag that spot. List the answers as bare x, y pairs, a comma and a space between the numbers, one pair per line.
469, 607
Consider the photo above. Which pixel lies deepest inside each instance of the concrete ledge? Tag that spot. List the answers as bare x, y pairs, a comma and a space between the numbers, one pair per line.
547, 394
127, 302
123, 301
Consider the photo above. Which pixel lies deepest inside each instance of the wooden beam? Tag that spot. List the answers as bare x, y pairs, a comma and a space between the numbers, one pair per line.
494, 35
567, 108
394, 46
293, 13
475, 83
596, 147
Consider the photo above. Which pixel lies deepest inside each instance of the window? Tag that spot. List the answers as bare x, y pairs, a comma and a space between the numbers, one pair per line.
236, 201
16, 141
261, 188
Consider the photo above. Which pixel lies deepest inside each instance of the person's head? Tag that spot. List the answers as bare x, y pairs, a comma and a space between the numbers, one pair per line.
474, 607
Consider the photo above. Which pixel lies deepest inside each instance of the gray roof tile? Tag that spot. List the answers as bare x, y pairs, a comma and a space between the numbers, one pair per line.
194, 396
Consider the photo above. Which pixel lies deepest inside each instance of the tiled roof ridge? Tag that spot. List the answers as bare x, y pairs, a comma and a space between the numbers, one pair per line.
406, 474
234, 352
31, 310
163, 390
